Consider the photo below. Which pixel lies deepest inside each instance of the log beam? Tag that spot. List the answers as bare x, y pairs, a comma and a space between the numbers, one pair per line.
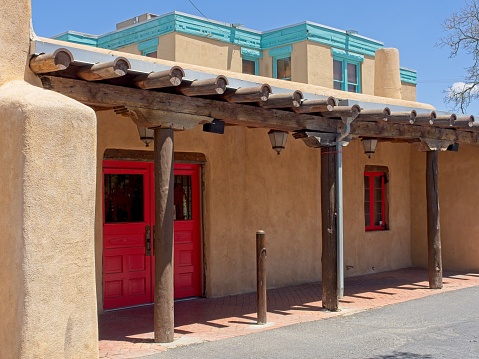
214, 86
374, 115
343, 111
433, 221
329, 258
55, 61
156, 80
283, 100
316, 106
105, 70
163, 241
248, 94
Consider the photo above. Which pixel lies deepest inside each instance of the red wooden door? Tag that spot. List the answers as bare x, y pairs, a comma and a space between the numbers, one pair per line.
187, 254
128, 264
127, 275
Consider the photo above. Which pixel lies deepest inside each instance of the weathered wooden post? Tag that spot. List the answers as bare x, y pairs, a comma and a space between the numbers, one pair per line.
164, 208
329, 258
433, 221
261, 299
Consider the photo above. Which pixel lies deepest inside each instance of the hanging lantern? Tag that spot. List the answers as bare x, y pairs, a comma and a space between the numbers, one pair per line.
278, 139
369, 145
146, 134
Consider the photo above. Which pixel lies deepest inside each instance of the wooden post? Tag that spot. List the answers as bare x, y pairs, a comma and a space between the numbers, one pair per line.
329, 257
261, 299
164, 211
433, 222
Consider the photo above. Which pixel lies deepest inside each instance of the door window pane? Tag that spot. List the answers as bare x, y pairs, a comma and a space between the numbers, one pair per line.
124, 200
283, 68
182, 197
249, 67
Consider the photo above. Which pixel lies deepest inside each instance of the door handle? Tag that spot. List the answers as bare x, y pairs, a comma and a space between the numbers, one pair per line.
148, 241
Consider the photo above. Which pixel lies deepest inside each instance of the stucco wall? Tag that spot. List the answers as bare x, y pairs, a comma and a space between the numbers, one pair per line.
458, 172
376, 251
320, 65
48, 146
248, 187
207, 52
367, 75
408, 91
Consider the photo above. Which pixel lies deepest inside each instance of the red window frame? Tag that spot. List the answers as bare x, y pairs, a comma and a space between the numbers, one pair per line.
370, 210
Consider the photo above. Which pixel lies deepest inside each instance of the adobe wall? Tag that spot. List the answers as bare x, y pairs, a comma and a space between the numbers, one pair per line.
458, 172
248, 187
408, 91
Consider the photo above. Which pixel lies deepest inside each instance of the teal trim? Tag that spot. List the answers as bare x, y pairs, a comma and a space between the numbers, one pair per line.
346, 55
153, 43
282, 52
78, 38
408, 76
257, 54
149, 46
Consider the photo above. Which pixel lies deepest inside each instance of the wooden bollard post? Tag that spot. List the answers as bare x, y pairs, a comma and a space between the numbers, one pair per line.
261, 300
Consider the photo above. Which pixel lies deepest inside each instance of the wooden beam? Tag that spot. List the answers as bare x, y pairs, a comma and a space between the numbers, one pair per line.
316, 106
343, 111
329, 258
402, 117
98, 94
464, 122
155, 80
445, 121
149, 156
425, 118
55, 61
374, 115
248, 94
105, 70
214, 86
433, 221
283, 100
163, 243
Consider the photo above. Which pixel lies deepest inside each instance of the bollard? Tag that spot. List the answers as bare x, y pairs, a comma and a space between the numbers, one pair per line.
261, 300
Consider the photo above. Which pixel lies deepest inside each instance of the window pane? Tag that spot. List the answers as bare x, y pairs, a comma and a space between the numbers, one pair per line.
352, 74
249, 67
283, 68
378, 216
182, 197
352, 88
338, 70
123, 198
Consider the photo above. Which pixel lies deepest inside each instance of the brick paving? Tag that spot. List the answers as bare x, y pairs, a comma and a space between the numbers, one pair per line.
128, 333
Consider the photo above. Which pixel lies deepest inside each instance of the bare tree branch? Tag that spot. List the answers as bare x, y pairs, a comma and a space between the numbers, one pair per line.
463, 35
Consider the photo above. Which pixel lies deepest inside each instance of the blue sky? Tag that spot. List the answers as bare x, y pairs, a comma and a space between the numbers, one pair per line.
412, 26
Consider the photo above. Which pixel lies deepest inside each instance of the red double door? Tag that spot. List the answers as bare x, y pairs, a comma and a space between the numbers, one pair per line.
128, 232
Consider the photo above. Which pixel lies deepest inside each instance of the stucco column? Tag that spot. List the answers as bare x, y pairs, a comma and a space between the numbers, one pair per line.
387, 77
47, 177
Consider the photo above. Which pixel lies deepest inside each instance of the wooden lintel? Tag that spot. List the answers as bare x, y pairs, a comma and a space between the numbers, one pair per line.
55, 61
248, 94
91, 93
283, 100
105, 70
155, 80
374, 115
213, 86
316, 106
148, 156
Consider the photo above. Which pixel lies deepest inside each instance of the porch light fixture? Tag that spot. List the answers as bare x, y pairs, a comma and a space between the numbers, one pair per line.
369, 145
278, 139
147, 135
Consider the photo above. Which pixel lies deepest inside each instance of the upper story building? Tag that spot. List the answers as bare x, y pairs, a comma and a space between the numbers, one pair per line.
306, 52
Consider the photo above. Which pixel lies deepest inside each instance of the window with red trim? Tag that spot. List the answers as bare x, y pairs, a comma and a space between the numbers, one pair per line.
375, 201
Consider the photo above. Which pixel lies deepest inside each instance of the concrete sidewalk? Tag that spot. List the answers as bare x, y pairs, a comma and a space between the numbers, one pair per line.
129, 333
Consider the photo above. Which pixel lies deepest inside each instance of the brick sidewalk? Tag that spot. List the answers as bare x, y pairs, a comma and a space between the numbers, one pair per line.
128, 333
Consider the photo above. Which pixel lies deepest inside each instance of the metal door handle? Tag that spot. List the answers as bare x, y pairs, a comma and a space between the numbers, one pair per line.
148, 241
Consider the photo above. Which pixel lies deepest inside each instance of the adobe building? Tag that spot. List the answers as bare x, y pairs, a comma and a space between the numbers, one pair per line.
142, 163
